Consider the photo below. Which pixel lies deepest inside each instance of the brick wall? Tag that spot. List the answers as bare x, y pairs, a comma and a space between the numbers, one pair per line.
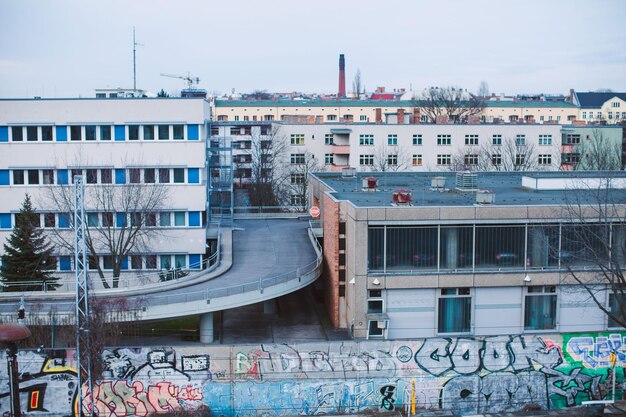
331, 257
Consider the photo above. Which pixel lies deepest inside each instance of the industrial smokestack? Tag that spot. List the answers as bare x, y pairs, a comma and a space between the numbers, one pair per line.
342, 77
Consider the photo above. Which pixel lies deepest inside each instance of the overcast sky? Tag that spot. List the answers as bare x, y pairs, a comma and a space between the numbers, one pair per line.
67, 48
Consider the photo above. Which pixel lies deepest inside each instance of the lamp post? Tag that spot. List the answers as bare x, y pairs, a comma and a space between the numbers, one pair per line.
10, 334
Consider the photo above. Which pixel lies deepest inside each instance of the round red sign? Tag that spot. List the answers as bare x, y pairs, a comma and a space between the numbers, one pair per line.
314, 211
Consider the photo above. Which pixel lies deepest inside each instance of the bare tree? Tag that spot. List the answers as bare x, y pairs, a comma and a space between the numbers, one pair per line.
455, 103
269, 182
483, 89
357, 87
299, 179
593, 244
121, 220
391, 158
506, 154
599, 152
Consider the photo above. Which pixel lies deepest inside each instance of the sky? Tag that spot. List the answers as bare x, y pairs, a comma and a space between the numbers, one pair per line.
68, 48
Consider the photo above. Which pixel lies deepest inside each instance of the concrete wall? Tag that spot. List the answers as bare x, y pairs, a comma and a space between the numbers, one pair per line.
468, 375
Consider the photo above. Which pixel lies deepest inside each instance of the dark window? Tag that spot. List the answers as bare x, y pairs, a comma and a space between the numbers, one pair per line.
107, 262
499, 247
107, 219
149, 176
93, 262
179, 131
135, 175
618, 309
46, 133
105, 132
151, 219
151, 261
106, 176
17, 133
92, 176
33, 176
164, 175
455, 310
456, 248
135, 262
76, 173
375, 248
540, 308
411, 248
133, 134
164, 132
135, 219
49, 220
75, 133
18, 177
90, 133
148, 132
48, 176
31, 133
179, 175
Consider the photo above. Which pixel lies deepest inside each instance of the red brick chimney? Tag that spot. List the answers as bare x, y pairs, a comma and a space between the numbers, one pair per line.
342, 77
416, 116
400, 116
379, 116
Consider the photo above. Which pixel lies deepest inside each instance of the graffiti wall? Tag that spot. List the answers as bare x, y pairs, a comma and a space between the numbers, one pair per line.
466, 374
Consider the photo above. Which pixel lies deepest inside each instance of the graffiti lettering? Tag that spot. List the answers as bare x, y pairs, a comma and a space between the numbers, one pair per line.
387, 402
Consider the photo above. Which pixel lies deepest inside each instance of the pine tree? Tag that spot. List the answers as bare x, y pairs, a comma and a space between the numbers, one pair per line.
28, 255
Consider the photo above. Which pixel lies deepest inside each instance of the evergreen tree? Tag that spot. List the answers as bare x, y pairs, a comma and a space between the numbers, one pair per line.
27, 255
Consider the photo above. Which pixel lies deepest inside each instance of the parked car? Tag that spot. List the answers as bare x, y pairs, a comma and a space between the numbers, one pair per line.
506, 258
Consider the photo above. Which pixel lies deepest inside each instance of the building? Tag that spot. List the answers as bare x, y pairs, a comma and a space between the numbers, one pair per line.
428, 254
115, 144
600, 107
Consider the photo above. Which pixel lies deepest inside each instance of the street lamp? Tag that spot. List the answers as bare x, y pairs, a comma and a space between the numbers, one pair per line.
10, 334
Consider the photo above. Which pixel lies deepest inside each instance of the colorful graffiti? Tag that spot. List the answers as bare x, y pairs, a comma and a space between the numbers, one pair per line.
471, 375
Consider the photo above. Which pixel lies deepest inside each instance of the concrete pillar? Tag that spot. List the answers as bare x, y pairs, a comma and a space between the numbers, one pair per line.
538, 247
206, 328
452, 247
270, 307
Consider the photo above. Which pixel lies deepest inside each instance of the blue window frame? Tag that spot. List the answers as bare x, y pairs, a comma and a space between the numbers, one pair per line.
4, 177
179, 218
192, 132
5, 220
120, 176
65, 263
4, 134
125, 263
121, 220
120, 132
195, 262
194, 218
64, 220
62, 177
193, 175
61, 133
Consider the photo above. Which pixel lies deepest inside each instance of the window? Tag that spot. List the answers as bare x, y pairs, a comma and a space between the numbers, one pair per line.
520, 159
616, 307
135, 262
17, 133
331, 117
18, 177
236, 118
164, 175
64, 220
455, 310
570, 158
571, 139
48, 176
90, 133
297, 158
296, 200
375, 303
599, 115
151, 261
329, 138
92, 220
348, 118
179, 218
165, 219
496, 139
297, 139
297, 179
520, 140
615, 104
105, 132
366, 159
584, 115
268, 117
135, 175
545, 139
513, 118
31, 134
392, 159
392, 139
366, 139
92, 176
149, 176
444, 159
75, 133
328, 159
540, 308
133, 133
179, 175
49, 220
545, 159
417, 159
470, 159
148, 132
164, 132
135, 219
33, 176
417, 140
107, 262
444, 140
471, 139
107, 219
106, 176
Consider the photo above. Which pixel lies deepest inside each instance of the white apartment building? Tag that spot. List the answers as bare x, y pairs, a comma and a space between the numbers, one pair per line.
44, 143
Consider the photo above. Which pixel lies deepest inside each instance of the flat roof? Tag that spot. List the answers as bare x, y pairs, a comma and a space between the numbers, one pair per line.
507, 187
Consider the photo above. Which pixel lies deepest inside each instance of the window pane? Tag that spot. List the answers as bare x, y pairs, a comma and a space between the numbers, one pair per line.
165, 219
135, 175
106, 176
151, 261
33, 176
179, 218
179, 131
180, 261
166, 262
540, 312
499, 247
617, 305
148, 132
135, 262
151, 219
164, 132
17, 133
133, 134
46, 133
457, 251
90, 133
164, 175
105, 132
18, 177
31, 133
454, 314
49, 220
410, 248
75, 133
92, 219
179, 175
375, 246
584, 245
148, 175
543, 246
92, 176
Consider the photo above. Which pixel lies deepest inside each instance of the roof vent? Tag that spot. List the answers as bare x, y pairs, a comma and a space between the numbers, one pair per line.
401, 197
348, 172
438, 183
485, 197
466, 181
370, 183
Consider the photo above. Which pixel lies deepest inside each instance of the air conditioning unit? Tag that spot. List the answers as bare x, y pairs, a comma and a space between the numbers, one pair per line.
382, 324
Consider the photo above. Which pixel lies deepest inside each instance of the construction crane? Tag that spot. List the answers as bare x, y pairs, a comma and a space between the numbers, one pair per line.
190, 80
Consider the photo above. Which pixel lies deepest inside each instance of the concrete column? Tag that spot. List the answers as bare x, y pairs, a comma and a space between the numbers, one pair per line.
538, 247
206, 328
452, 247
270, 307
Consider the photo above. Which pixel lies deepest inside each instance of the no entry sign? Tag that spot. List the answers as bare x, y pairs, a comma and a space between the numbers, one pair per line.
314, 211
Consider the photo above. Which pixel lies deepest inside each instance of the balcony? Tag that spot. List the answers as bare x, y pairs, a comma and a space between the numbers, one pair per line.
341, 149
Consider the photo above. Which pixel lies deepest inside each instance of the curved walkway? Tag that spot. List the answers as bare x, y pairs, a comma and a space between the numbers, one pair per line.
266, 259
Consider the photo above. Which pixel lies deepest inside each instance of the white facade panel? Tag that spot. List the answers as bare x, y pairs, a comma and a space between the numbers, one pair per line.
498, 310
578, 312
412, 313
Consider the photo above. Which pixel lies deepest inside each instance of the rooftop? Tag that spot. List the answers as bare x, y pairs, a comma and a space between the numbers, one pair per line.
507, 187
595, 100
